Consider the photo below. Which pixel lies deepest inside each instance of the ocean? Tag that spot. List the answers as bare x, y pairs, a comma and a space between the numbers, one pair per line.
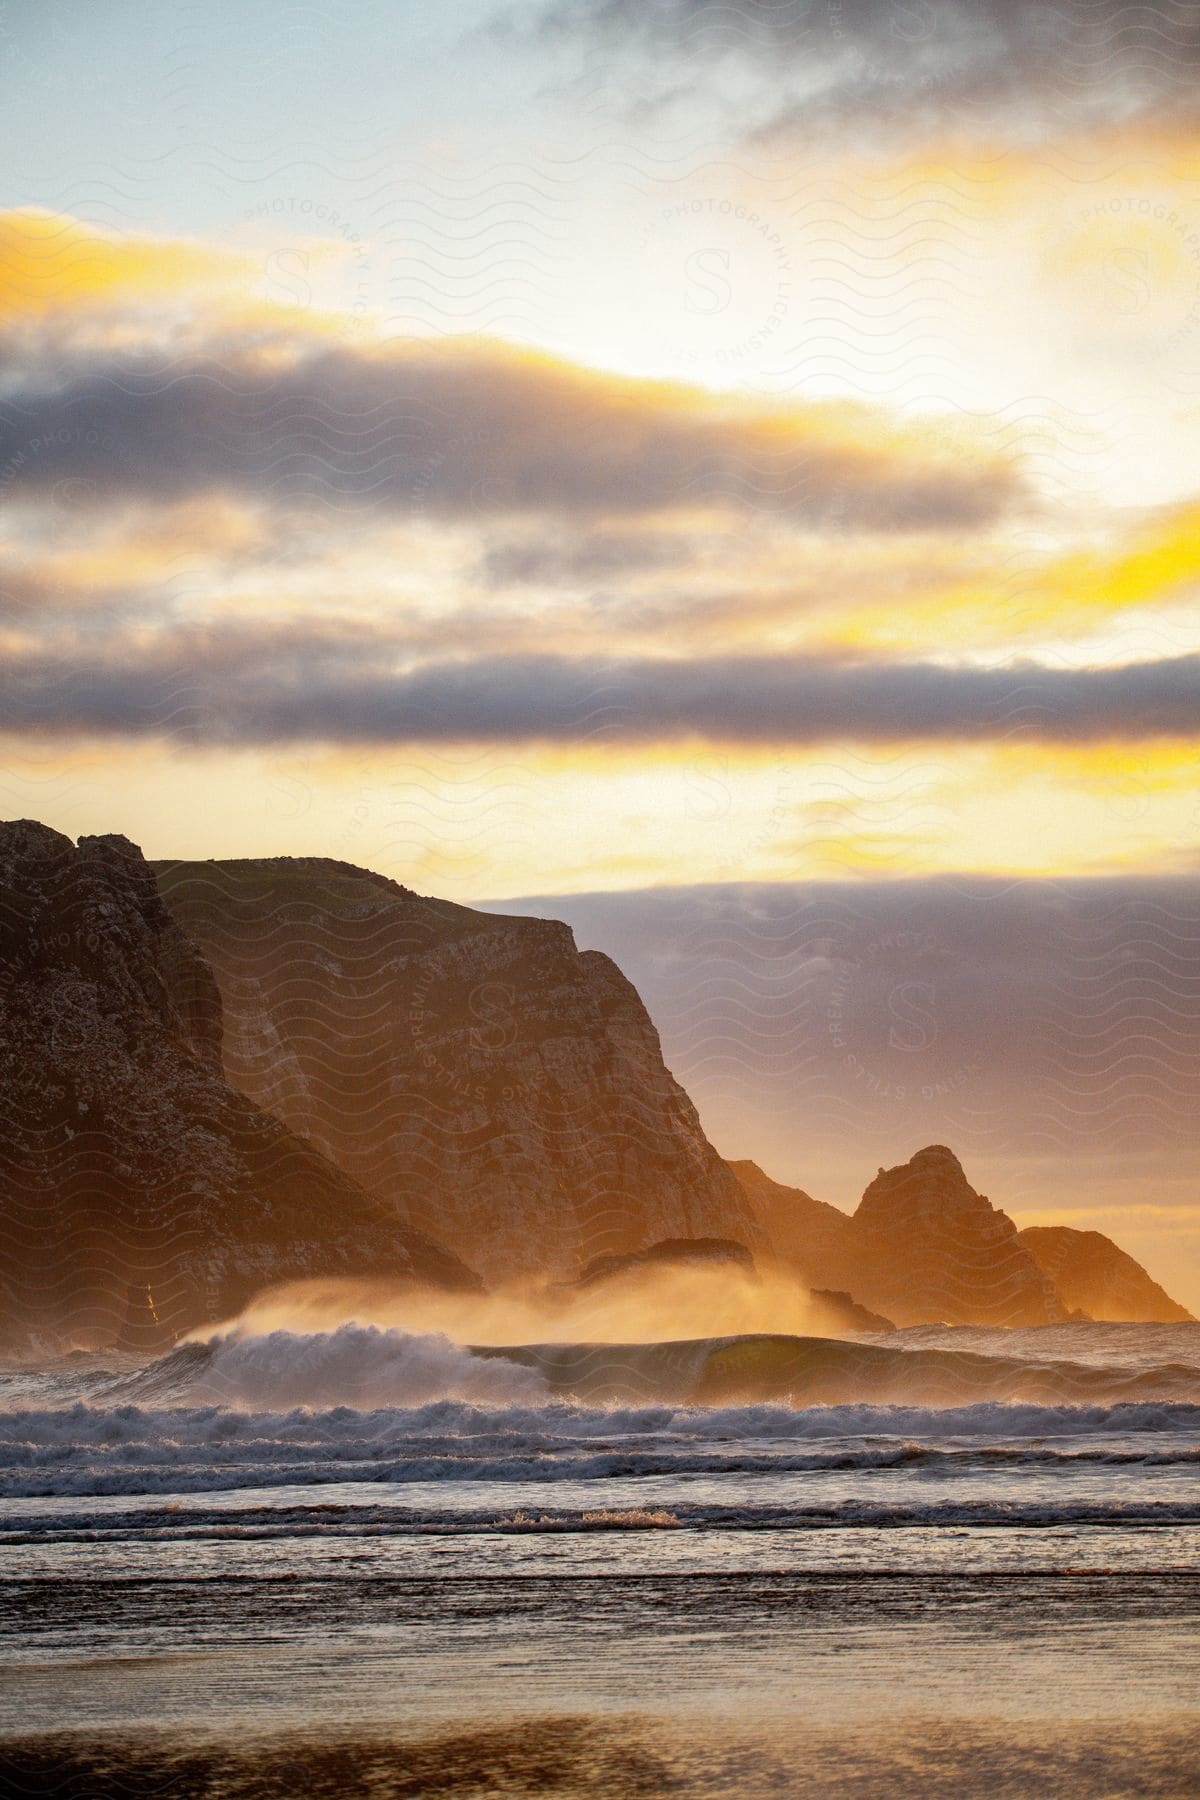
364, 1562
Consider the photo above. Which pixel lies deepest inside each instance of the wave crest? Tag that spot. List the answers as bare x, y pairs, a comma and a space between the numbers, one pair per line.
359, 1366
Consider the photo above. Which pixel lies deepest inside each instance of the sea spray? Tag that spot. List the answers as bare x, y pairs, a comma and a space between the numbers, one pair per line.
358, 1366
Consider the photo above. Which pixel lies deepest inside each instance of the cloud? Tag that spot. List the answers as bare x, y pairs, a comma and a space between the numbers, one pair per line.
1015, 68
473, 430
316, 683
53, 265
598, 556
1005, 1015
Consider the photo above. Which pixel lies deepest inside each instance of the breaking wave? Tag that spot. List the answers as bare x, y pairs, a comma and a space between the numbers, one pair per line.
366, 1405
367, 1367
356, 1365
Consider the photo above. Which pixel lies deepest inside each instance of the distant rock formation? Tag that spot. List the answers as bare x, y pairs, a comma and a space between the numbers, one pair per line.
501, 1090
936, 1249
127, 1162
922, 1247
830, 1312
844, 1311
674, 1253
1094, 1275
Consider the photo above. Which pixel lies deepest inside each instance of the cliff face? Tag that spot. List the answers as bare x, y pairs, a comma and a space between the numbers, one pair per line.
1091, 1273
126, 1159
498, 1088
820, 1237
939, 1250
922, 1247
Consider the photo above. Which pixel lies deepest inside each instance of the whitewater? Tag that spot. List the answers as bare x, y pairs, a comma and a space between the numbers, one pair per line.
364, 1536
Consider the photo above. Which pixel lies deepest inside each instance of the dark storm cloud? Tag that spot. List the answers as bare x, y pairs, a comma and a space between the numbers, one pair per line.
321, 685
912, 64
452, 433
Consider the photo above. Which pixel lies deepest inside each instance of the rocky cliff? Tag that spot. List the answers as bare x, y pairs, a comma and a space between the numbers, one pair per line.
934, 1248
217, 1076
1094, 1275
126, 1159
922, 1246
501, 1090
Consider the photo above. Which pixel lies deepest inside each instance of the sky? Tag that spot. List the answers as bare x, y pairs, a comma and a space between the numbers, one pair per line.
663, 461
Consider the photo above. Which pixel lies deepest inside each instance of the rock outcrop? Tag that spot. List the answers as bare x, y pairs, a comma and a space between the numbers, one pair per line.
937, 1249
845, 1314
1092, 1274
127, 1161
501, 1090
674, 1253
922, 1247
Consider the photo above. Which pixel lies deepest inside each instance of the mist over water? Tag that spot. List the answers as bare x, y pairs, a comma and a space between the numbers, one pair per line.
641, 1305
